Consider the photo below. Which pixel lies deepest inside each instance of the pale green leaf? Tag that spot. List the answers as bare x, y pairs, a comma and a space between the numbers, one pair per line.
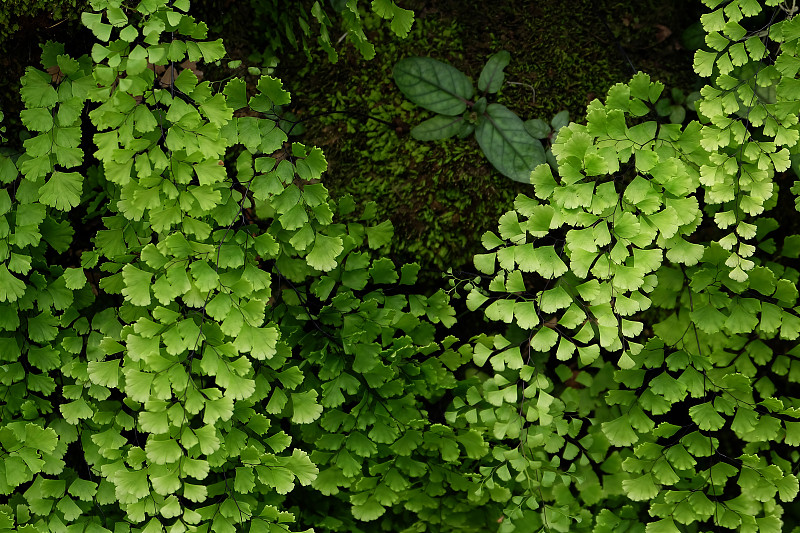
324, 253
62, 190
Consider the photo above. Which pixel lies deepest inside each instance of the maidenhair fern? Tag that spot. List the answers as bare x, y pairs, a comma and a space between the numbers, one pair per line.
175, 367
650, 269
171, 361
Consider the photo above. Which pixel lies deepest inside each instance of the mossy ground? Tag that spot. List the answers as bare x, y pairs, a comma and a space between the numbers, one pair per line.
442, 196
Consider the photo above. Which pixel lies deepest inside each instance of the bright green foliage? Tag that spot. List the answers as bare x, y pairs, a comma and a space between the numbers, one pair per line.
176, 365
191, 368
648, 274
503, 137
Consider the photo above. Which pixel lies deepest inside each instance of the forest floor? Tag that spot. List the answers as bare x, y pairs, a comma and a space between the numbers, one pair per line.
443, 195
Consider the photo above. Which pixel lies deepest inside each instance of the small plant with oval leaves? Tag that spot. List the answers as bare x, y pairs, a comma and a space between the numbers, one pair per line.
460, 111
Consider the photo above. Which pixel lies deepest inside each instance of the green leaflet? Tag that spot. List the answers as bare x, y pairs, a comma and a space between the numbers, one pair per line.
323, 255
62, 190
401, 19
13, 287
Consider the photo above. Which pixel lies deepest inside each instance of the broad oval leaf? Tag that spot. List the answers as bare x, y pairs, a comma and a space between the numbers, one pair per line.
508, 146
491, 78
433, 85
560, 120
537, 128
465, 130
438, 127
